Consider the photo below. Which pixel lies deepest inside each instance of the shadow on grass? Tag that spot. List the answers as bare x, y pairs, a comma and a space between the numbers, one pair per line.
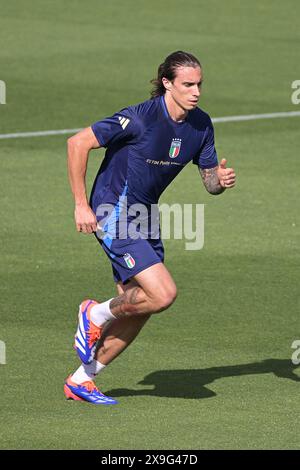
191, 383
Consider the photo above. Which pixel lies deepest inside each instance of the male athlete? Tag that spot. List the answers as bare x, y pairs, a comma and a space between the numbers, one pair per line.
147, 146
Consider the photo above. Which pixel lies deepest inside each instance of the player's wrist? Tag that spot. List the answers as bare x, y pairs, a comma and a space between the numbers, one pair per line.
81, 203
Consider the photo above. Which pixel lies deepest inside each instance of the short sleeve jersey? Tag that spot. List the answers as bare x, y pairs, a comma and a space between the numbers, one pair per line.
147, 149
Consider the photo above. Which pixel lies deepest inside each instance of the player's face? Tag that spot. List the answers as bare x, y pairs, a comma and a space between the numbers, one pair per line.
186, 87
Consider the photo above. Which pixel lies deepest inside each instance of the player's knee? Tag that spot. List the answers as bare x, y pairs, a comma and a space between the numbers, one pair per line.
165, 299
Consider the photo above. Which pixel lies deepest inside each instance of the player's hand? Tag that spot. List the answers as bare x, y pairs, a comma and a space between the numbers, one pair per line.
226, 175
85, 219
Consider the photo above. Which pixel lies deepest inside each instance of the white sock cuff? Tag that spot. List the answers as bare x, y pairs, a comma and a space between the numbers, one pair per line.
87, 372
101, 313
106, 309
98, 367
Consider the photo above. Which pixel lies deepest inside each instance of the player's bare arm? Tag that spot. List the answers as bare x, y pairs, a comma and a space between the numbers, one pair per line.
211, 180
79, 147
219, 178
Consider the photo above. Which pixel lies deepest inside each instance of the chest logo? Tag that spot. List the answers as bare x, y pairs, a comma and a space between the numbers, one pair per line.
175, 148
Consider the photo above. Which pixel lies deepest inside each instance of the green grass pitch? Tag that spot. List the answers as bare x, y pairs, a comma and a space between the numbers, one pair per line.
215, 370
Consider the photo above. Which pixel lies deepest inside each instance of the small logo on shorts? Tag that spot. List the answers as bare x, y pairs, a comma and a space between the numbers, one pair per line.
175, 148
129, 260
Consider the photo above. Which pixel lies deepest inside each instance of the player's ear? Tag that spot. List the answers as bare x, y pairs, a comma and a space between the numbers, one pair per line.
166, 83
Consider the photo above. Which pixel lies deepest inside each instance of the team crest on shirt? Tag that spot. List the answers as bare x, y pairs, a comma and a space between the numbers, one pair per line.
175, 148
129, 260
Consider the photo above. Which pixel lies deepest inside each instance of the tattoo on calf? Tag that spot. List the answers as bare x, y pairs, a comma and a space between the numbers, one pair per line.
133, 295
117, 301
211, 181
125, 301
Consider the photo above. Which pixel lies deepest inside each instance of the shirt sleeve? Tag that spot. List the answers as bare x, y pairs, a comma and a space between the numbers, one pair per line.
123, 126
207, 156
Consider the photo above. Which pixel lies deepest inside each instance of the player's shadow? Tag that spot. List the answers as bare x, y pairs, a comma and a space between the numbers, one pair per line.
191, 383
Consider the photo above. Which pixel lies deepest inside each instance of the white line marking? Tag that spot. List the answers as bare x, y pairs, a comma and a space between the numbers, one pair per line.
39, 133
247, 117
254, 117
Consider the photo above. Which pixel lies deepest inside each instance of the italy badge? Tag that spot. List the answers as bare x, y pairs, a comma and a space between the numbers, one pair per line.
175, 148
129, 260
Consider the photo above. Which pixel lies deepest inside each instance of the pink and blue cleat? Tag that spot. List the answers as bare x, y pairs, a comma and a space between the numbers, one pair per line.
87, 333
87, 391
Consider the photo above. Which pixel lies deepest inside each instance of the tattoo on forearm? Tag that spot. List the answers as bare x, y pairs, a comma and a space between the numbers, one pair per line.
124, 302
211, 181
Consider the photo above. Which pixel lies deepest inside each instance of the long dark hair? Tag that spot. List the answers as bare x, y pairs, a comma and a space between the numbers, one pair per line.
168, 70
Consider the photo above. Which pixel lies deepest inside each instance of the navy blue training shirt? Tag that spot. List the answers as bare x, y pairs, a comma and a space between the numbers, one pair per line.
146, 149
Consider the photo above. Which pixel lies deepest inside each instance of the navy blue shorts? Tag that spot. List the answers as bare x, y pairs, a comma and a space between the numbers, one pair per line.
129, 257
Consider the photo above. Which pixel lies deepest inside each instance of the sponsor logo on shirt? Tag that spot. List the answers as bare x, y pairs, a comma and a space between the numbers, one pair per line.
175, 148
129, 260
163, 163
124, 122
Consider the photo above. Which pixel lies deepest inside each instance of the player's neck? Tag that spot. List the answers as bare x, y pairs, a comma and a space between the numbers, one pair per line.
175, 111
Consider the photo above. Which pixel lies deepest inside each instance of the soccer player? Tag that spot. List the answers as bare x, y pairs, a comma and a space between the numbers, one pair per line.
147, 146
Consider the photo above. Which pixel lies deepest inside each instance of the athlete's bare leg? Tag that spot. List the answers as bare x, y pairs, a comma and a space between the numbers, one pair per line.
122, 331
155, 291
